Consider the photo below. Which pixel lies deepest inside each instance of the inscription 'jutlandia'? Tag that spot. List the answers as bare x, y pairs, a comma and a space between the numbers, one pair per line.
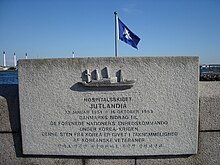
108, 106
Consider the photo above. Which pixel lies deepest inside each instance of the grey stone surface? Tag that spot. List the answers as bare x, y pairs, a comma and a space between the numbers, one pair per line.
209, 153
209, 93
57, 113
210, 113
109, 161
10, 154
209, 89
4, 116
209, 96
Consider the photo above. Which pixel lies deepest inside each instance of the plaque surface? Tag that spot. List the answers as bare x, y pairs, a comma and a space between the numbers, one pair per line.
124, 106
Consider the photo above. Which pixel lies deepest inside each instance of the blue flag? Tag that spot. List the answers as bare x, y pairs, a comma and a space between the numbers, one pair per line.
127, 35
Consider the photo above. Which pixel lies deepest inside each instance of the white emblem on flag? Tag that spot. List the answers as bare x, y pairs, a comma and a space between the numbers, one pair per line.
127, 34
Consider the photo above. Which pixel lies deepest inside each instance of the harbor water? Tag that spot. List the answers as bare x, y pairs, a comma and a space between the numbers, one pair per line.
8, 77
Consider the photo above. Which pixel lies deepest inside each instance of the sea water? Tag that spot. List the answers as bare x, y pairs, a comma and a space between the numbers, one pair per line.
8, 77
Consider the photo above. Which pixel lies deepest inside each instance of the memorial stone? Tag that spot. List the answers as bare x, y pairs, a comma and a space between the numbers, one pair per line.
124, 106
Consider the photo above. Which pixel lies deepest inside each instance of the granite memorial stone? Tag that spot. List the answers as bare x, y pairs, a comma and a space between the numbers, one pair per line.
124, 106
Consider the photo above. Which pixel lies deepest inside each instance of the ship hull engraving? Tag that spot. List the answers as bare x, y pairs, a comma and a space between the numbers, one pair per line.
109, 82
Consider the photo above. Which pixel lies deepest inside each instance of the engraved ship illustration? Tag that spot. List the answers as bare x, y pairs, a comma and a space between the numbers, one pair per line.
108, 81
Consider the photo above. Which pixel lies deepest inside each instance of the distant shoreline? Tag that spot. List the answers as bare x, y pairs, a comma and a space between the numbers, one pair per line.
9, 68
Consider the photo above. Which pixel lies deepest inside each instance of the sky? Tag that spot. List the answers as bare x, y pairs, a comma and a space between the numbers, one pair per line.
56, 28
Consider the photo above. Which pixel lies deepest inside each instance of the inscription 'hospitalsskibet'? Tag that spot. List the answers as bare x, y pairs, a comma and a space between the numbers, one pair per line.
107, 99
108, 81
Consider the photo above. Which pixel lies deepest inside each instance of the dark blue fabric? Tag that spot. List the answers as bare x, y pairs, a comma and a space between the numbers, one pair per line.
126, 35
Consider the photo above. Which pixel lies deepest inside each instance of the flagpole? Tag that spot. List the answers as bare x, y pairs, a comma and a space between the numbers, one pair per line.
116, 34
